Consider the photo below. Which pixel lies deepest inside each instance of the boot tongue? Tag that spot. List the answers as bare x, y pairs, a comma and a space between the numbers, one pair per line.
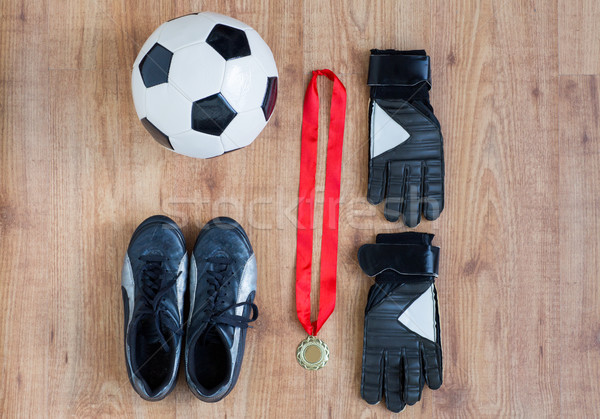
148, 328
210, 334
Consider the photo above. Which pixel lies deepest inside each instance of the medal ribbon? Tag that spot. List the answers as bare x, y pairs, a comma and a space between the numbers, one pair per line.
306, 202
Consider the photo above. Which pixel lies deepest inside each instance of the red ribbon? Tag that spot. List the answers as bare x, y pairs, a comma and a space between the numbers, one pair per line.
306, 201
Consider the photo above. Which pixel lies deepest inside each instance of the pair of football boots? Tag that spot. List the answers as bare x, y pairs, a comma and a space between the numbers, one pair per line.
221, 283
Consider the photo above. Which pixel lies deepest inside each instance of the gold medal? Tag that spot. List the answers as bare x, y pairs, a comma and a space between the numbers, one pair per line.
312, 353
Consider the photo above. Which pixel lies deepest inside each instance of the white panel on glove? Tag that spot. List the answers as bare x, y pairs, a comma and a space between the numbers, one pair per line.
385, 132
420, 315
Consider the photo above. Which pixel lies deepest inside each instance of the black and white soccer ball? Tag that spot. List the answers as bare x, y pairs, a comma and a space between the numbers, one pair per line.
204, 84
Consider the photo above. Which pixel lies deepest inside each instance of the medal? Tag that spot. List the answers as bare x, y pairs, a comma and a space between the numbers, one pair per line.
313, 353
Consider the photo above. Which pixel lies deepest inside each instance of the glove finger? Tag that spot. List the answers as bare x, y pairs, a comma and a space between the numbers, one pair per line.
413, 195
395, 191
433, 190
432, 365
372, 376
377, 177
392, 385
413, 380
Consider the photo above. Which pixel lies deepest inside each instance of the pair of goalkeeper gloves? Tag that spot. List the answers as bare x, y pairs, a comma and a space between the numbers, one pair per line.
402, 350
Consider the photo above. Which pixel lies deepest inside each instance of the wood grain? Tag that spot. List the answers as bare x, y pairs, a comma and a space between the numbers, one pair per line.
579, 43
518, 289
579, 224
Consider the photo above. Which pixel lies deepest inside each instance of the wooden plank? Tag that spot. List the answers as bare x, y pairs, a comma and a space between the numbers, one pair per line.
95, 45
25, 173
499, 228
345, 31
579, 214
578, 40
462, 80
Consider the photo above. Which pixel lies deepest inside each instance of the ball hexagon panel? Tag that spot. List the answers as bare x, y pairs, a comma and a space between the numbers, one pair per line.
228, 41
244, 84
262, 53
167, 109
184, 31
197, 144
155, 66
190, 73
245, 127
226, 20
152, 39
139, 93
212, 115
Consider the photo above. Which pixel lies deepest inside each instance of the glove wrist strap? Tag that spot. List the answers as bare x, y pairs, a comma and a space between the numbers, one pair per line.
398, 68
402, 259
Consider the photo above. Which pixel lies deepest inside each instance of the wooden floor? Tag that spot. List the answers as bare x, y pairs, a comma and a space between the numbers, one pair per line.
516, 86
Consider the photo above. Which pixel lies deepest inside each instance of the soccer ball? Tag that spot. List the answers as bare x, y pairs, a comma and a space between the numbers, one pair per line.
204, 84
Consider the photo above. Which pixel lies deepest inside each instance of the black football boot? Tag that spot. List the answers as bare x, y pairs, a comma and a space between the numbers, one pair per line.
222, 289
153, 284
